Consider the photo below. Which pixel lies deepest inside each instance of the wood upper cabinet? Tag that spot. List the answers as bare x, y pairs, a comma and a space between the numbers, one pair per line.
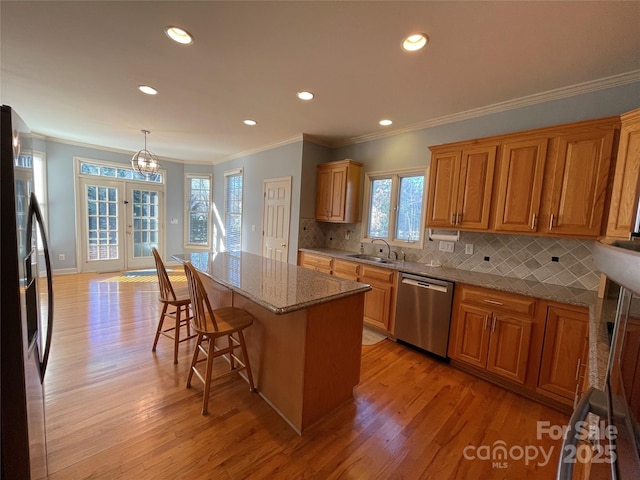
519, 185
626, 180
338, 192
492, 330
563, 351
460, 183
460, 186
580, 172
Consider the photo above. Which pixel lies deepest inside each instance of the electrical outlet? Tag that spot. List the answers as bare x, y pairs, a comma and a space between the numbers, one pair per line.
61, 257
446, 246
468, 249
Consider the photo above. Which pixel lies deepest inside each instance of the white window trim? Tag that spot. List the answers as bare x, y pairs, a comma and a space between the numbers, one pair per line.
395, 175
187, 202
227, 174
77, 161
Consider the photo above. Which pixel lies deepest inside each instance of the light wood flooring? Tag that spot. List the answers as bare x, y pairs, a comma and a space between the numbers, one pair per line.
117, 410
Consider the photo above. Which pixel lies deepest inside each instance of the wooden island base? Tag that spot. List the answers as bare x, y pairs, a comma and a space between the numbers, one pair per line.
304, 363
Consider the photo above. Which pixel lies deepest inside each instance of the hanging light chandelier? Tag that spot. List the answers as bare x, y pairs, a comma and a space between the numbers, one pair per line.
144, 162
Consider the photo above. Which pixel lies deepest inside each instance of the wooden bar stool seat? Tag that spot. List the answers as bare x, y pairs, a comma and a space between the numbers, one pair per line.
175, 305
211, 325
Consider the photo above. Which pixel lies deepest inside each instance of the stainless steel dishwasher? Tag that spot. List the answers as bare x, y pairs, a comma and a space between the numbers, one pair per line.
423, 312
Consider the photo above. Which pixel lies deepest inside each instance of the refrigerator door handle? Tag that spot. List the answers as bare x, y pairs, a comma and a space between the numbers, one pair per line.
594, 401
34, 211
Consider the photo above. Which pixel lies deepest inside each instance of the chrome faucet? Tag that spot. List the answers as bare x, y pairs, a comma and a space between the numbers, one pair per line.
386, 243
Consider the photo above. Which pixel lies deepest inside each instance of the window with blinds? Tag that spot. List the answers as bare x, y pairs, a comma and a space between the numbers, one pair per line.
198, 210
233, 210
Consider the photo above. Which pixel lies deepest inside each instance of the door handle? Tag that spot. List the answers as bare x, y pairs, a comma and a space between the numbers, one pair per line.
283, 244
486, 319
493, 323
534, 222
551, 222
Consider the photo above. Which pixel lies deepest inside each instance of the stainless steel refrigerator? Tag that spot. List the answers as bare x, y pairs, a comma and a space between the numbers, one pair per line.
26, 307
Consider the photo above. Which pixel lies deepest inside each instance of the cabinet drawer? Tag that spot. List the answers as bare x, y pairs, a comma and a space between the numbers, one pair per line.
311, 260
369, 273
344, 268
495, 300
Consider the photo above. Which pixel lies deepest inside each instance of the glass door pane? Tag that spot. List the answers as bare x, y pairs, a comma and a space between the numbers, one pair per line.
144, 225
102, 225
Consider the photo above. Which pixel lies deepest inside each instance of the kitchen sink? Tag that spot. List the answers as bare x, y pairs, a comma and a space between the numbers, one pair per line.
370, 258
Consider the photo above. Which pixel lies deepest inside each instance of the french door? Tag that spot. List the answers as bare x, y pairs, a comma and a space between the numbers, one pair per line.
121, 222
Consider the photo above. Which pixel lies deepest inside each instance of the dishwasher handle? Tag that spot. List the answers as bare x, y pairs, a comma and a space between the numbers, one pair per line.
424, 284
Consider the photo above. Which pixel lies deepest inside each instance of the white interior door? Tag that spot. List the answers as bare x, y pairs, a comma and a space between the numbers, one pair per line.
275, 218
102, 236
144, 211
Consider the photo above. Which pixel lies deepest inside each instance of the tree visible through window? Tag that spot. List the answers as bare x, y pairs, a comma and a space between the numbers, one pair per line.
198, 210
396, 205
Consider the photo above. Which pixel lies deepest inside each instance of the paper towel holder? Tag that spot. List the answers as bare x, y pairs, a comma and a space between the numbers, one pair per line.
447, 235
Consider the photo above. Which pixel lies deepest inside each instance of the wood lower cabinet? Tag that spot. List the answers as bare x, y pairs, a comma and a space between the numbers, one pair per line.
379, 302
564, 352
319, 263
345, 269
338, 192
492, 330
460, 186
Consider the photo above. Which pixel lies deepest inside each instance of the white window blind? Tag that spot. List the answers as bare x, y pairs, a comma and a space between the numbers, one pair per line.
198, 210
233, 210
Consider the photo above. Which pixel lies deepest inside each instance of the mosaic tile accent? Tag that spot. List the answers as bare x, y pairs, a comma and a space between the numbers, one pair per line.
518, 256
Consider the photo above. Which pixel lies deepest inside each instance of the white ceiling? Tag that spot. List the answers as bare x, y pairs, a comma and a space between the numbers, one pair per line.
71, 69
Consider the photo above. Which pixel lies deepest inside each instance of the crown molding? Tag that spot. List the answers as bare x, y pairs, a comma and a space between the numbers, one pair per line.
104, 149
537, 98
253, 151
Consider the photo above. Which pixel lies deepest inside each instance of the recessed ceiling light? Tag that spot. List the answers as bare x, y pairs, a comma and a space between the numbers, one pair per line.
305, 95
179, 35
385, 123
147, 89
415, 42
250, 122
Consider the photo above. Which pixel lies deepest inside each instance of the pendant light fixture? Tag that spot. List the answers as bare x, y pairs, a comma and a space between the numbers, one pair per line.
144, 162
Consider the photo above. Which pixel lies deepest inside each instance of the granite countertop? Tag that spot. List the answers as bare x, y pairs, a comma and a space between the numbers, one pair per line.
277, 286
601, 311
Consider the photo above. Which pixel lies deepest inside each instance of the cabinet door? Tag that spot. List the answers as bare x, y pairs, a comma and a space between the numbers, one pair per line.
323, 194
626, 182
509, 347
521, 167
338, 193
472, 335
475, 187
443, 189
376, 304
581, 172
565, 334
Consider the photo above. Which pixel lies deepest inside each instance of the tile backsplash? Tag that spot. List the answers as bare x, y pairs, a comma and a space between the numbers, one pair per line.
557, 261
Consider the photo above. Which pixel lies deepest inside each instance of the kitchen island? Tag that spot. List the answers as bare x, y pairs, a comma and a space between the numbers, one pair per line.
305, 343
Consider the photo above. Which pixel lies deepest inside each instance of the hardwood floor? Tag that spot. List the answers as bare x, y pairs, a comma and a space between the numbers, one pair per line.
115, 410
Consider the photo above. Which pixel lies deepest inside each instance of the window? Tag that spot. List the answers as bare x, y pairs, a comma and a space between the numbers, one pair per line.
395, 205
233, 210
119, 172
198, 210
40, 188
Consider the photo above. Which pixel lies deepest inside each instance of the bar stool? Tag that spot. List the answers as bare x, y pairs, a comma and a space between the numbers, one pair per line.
210, 325
175, 305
